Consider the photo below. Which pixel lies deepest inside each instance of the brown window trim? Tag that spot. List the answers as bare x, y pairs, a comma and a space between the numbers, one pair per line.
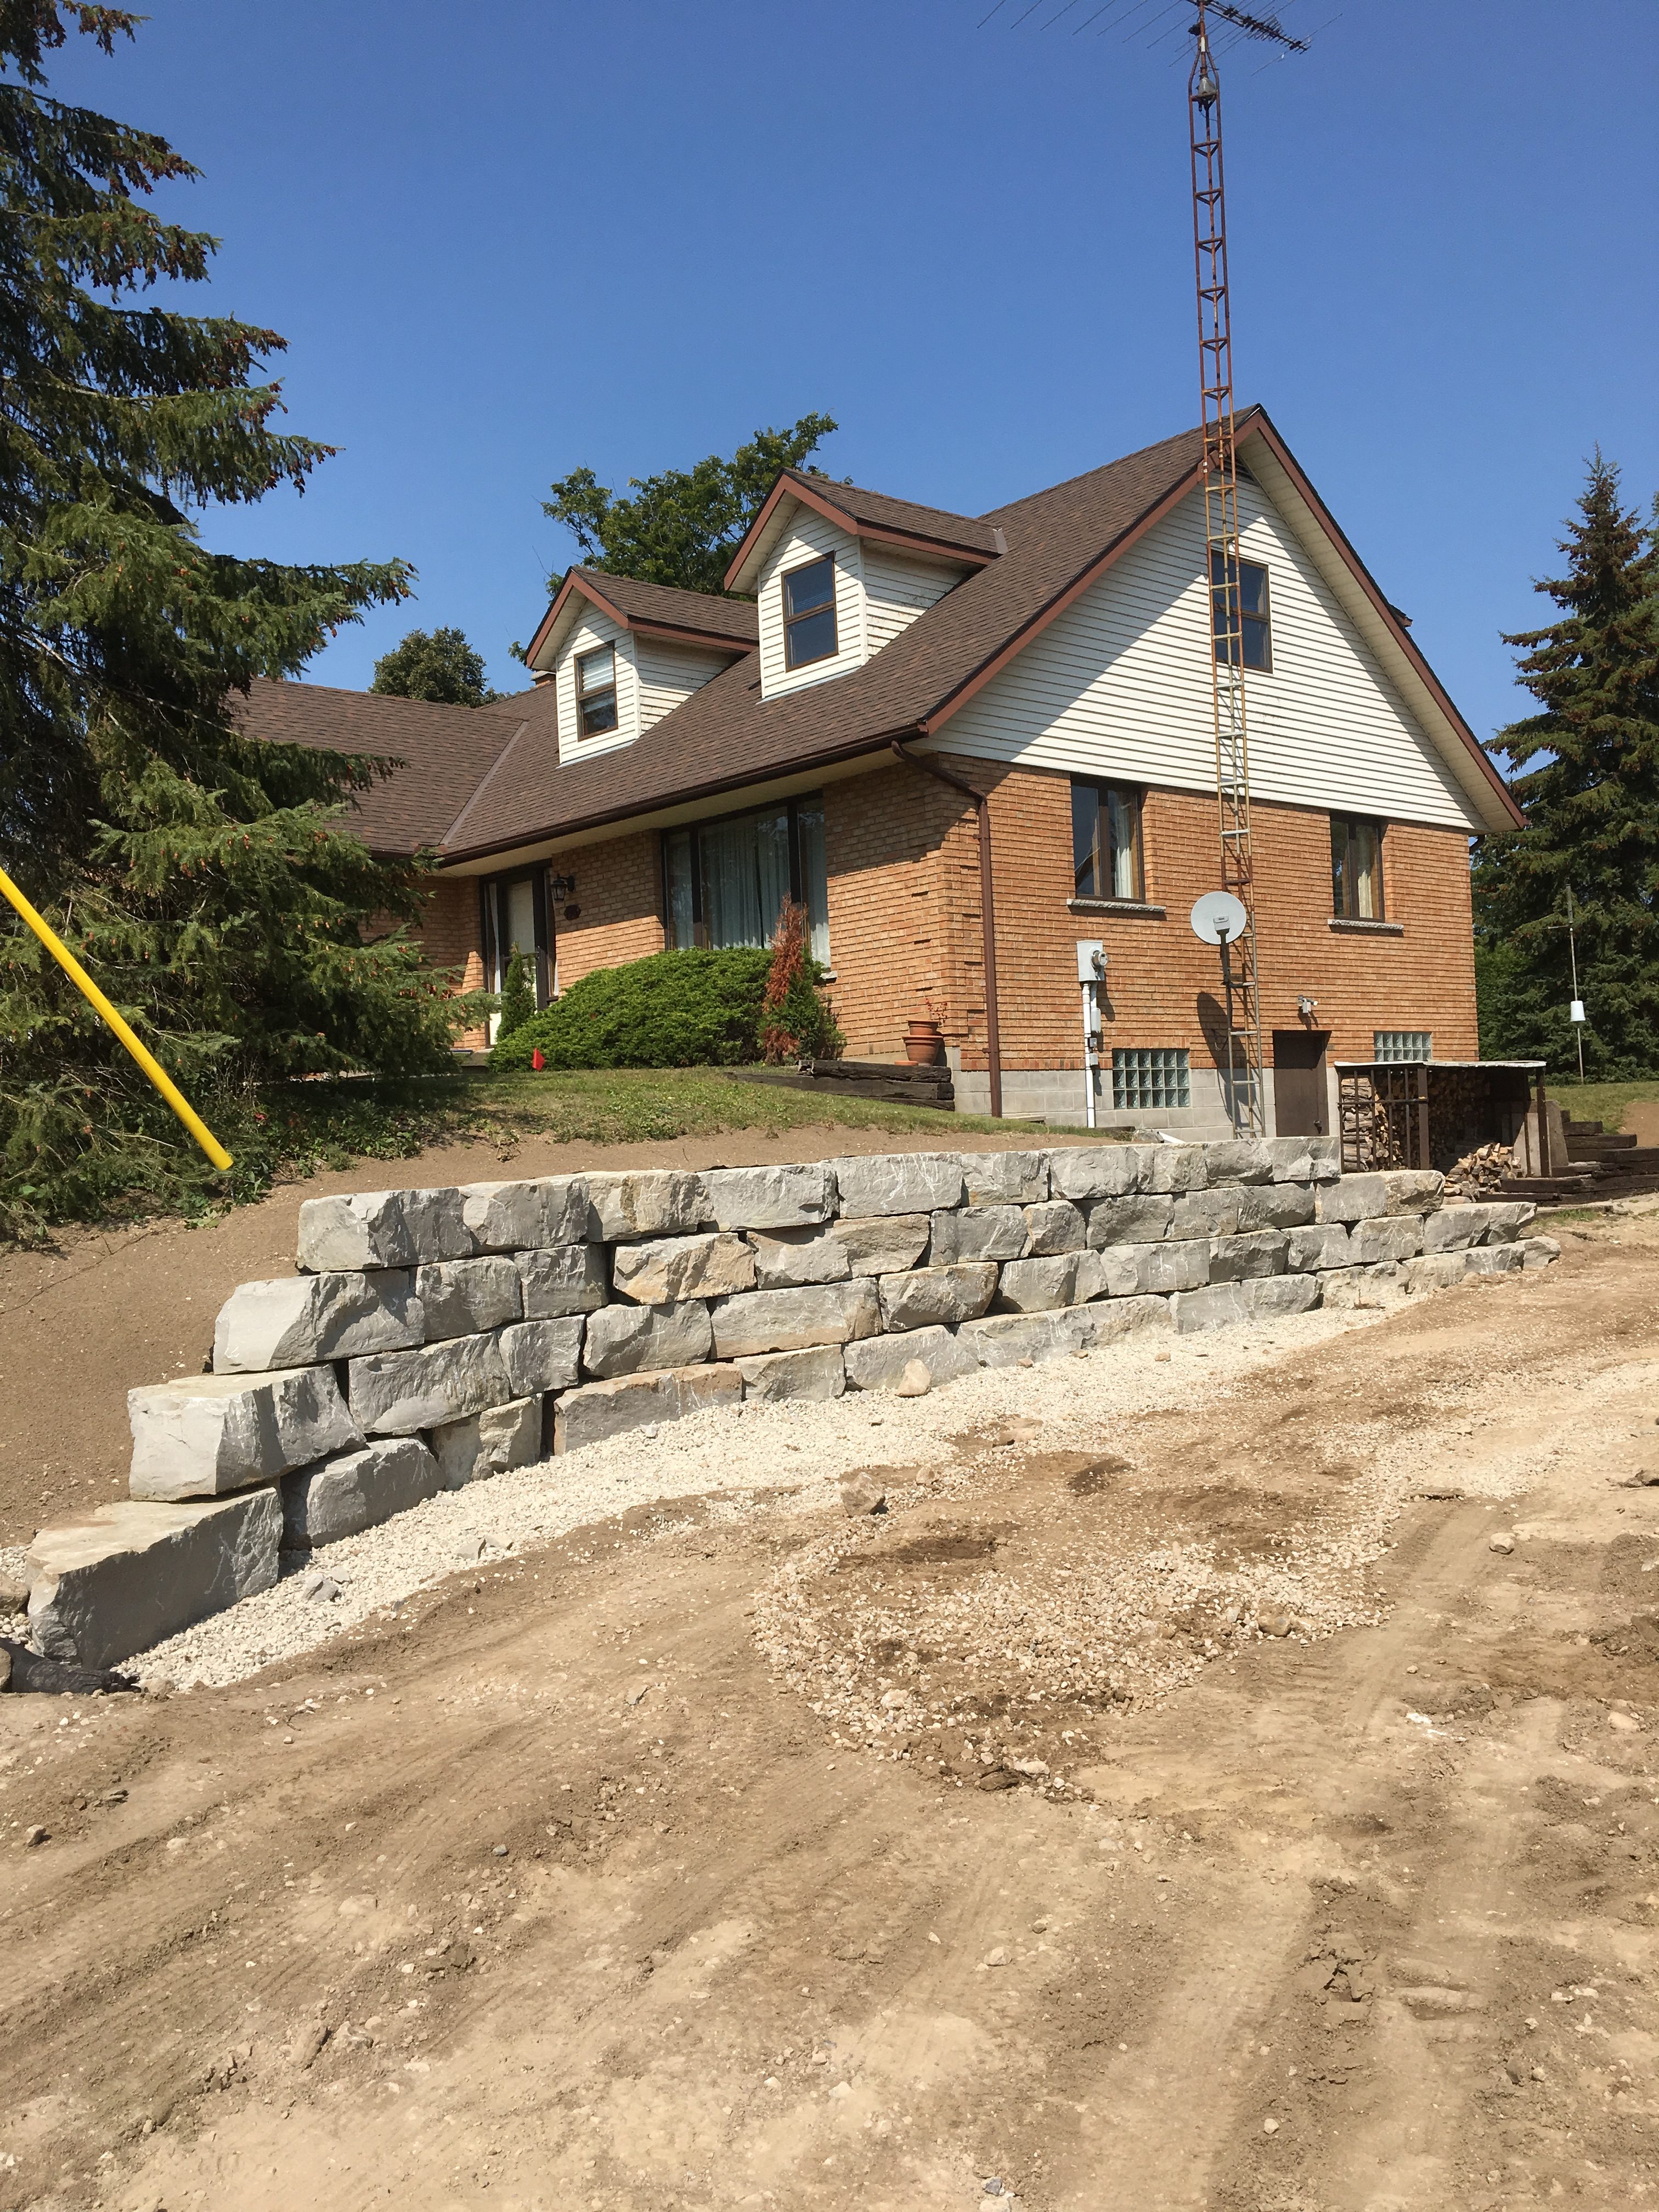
1380, 885
808, 614
1135, 792
1266, 620
584, 700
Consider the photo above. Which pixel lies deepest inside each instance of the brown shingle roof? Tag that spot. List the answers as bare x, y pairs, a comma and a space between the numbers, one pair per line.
704, 613
972, 532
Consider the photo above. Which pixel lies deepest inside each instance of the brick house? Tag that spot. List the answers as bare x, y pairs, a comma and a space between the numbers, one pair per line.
902, 695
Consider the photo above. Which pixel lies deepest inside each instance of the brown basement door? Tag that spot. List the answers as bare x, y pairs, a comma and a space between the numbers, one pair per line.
1301, 1095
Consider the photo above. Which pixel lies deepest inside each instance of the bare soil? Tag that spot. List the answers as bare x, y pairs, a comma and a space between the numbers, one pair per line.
554, 1891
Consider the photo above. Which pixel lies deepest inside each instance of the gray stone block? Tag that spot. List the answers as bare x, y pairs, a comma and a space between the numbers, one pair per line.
1435, 1271
1326, 1153
1103, 1170
883, 1245
204, 1435
1132, 1220
878, 1363
1218, 1307
816, 1374
977, 1232
788, 1259
1506, 1220
1207, 1212
1356, 1198
125, 1575
938, 1296
1127, 1271
489, 1443
898, 1183
300, 1320
1056, 1226
1036, 1285
1239, 1159
464, 1297
569, 1278
665, 1269
1382, 1285
795, 1197
1094, 1326
637, 1339
1292, 1159
1275, 1205
1325, 1245
322, 1503
1454, 1228
394, 1394
1414, 1190
1273, 1297
599, 1410
543, 1355
1177, 1168
1538, 1251
510, 1217
1243, 1259
1005, 1178
1398, 1239
792, 1321
647, 1202
383, 1229
1004, 1340
1492, 1259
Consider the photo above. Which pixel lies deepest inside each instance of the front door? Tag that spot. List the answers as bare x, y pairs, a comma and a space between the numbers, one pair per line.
1301, 1097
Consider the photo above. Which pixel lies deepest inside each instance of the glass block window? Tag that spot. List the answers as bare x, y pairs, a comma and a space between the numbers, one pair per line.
1403, 1044
1151, 1078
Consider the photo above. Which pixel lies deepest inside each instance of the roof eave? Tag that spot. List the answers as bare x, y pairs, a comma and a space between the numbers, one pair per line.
950, 550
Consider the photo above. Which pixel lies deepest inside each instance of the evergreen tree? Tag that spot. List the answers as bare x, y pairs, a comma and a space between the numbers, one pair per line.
517, 996
210, 882
1585, 771
437, 664
682, 527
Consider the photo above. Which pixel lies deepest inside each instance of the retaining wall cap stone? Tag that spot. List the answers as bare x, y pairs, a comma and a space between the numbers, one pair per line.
898, 1183
297, 1321
202, 1435
1356, 1198
397, 1393
646, 1203
321, 1504
1099, 1171
464, 1297
1413, 1190
382, 1229
1005, 1178
509, 1217
878, 1363
794, 1197
635, 1339
1239, 1159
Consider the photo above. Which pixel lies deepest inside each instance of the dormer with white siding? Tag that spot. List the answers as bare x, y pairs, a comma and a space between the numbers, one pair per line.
622, 654
838, 572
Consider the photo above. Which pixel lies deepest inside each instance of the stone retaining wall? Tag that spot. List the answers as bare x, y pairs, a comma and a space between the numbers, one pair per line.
432, 1338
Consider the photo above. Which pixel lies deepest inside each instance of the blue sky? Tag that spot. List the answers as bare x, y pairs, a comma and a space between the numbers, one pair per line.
506, 240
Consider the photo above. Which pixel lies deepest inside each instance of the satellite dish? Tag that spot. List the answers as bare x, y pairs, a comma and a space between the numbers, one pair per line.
1218, 914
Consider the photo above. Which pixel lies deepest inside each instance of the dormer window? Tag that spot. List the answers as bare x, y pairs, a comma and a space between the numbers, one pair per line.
596, 690
809, 613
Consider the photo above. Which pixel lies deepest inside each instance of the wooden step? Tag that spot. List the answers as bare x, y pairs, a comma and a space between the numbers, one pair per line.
1547, 1187
1583, 1128
939, 1092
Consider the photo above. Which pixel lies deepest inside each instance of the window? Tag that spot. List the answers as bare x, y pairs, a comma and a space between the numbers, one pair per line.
1393, 1045
808, 614
1154, 1079
596, 690
726, 881
1243, 633
1356, 869
1106, 842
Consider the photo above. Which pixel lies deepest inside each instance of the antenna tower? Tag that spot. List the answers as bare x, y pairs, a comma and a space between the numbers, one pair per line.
1239, 959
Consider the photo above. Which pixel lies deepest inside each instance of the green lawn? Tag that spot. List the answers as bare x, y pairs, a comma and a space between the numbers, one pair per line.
1601, 1101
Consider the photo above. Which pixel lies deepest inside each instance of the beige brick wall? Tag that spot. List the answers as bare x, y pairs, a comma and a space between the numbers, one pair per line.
619, 891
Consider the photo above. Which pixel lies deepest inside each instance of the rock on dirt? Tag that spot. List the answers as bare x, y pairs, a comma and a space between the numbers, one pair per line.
862, 1493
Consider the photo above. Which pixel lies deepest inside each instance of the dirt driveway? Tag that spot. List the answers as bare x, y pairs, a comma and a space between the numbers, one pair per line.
556, 1892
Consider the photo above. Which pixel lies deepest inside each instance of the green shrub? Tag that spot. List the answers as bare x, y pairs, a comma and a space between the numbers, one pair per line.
670, 1010
518, 994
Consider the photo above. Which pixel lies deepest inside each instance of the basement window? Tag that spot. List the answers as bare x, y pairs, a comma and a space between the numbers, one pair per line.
808, 614
1392, 1045
596, 690
1151, 1080
1356, 869
1244, 626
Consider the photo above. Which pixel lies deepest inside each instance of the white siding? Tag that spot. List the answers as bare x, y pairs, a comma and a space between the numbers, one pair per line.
1119, 685
808, 536
597, 628
896, 589
668, 674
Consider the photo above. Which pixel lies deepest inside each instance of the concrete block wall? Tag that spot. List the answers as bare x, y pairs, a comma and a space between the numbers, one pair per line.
430, 1339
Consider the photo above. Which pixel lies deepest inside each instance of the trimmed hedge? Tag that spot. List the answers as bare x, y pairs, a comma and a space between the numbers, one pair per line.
669, 1010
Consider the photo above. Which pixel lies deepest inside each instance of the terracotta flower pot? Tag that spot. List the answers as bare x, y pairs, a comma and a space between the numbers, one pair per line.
924, 1043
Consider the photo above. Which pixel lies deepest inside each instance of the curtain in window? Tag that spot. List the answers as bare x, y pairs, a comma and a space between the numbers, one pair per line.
815, 878
1120, 817
681, 920
746, 879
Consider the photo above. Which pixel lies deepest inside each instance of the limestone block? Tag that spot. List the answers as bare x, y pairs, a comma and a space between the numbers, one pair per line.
1304, 1159
1127, 1271
1239, 1159
1326, 1153
394, 1394
794, 1320
944, 1296
599, 1410
639, 1339
1004, 1340
1102, 1170
784, 1259
649, 1202
1243, 1259
121, 1577
1435, 1271
1092, 1326
770, 1198
898, 1183
1493, 1260
878, 1363
567, 1279
509, 1216
1005, 1178
1271, 1298
1400, 1239
463, 1298
1175, 1168
1414, 1190
665, 1269
1217, 1307
488, 1442
1323, 1246
1356, 1198
1454, 1228
1037, 1285
1506, 1220
383, 1229
1275, 1205
1129, 1221
1207, 1214
816, 1374
543, 1355
883, 1244
978, 1232
359, 1490
1057, 1227
1537, 1251
1382, 1285
202, 1435
300, 1320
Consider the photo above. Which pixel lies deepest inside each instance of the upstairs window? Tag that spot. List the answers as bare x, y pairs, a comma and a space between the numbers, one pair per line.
1106, 862
808, 614
596, 690
1356, 869
1243, 630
